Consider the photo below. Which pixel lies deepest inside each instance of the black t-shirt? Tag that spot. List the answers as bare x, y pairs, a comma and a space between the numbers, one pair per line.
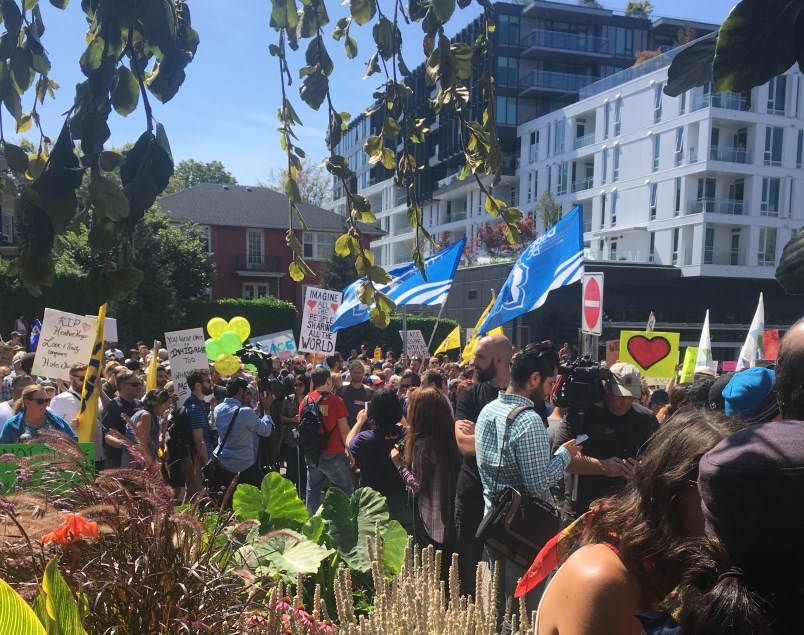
609, 436
372, 449
470, 402
355, 400
112, 419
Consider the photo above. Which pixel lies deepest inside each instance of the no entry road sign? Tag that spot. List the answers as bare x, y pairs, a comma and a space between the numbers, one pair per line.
592, 304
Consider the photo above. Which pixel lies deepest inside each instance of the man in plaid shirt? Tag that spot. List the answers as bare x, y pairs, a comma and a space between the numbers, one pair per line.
526, 462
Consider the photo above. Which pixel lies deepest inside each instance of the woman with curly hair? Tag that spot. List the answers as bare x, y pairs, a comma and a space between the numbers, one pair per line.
625, 565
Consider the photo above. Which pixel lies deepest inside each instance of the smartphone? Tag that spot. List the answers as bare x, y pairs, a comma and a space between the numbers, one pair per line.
581, 438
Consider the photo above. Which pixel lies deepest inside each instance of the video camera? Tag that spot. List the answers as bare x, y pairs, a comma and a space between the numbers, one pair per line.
580, 384
264, 363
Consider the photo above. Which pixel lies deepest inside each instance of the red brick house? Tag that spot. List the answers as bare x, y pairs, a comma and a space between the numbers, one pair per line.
244, 234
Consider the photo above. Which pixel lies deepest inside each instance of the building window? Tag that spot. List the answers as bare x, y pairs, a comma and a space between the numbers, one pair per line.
506, 110
605, 170
653, 188
799, 148
253, 290
656, 150
255, 248
766, 252
508, 30
613, 249
777, 87
770, 197
679, 146
558, 141
657, 103
618, 108
624, 42
677, 202
709, 245
614, 209
318, 245
682, 103
533, 152
562, 178
205, 237
507, 71
549, 178
615, 174
602, 211
773, 145
606, 117
652, 248
676, 232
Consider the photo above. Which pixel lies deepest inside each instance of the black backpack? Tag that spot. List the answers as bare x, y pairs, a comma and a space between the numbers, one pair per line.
180, 444
313, 434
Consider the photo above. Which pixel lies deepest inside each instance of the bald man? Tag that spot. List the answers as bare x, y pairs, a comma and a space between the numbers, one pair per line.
790, 373
493, 374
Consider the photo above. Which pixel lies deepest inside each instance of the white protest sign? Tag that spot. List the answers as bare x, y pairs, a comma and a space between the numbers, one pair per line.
109, 327
320, 306
416, 344
281, 344
186, 353
65, 339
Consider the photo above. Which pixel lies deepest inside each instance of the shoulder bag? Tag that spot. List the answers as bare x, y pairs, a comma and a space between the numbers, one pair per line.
210, 469
517, 526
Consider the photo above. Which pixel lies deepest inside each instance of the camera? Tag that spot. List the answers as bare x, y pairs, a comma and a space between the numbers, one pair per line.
266, 375
580, 384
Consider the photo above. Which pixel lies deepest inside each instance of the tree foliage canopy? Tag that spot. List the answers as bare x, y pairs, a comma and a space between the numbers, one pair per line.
189, 172
314, 182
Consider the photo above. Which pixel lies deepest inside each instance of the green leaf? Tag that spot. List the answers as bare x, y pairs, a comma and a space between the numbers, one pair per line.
284, 14
12, 16
107, 198
17, 617
350, 46
462, 53
443, 9
123, 282
394, 543
372, 146
16, 158
362, 10
492, 206
92, 57
388, 159
37, 271
168, 76
314, 89
378, 275
314, 529
317, 55
60, 603
343, 246
60, 4
365, 293
287, 555
126, 94
27, 5
158, 19
21, 69
691, 67
387, 37
292, 190
109, 160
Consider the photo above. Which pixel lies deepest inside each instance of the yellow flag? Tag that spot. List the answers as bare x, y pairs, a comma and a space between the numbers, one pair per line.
453, 340
150, 374
468, 353
377, 354
88, 415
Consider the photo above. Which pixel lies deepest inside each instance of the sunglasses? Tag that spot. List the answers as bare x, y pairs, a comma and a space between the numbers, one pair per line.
39, 401
137, 384
82, 378
299, 385
406, 385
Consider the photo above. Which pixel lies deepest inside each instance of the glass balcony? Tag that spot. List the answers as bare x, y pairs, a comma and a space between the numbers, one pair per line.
554, 81
628, 256
582, 142
724, 257
455, 215
565, 41
729, 154
582, 184
716, 205
730, 101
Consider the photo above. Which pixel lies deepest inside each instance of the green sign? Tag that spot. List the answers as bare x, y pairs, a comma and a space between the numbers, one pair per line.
35, 459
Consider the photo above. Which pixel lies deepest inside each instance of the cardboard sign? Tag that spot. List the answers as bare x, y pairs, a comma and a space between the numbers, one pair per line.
729, 366
281, 344
320, 306
688, 369
654, 354
109, 326
66, 339
612, 352
6, 355
8, 476
416, 344
770, 343
186, 353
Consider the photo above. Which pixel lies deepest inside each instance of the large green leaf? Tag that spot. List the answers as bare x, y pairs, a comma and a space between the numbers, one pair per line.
16, 616
394, 543
351, 520
755, 43
443, 9
276, 504
59, 603
287, 555
691, 67
126, 93
362, 10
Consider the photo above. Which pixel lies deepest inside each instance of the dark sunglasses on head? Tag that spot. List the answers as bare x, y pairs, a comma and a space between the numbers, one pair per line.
40, 401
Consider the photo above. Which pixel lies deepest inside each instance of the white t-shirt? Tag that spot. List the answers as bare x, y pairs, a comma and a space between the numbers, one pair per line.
5, 413
67, 405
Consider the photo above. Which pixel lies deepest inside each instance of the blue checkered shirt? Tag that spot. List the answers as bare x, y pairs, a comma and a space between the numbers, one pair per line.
526, 463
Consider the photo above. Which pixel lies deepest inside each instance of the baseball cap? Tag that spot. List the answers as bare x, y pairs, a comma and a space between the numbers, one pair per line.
716, 400
659, 396
17, 357
376, 380
625, 380
750, 394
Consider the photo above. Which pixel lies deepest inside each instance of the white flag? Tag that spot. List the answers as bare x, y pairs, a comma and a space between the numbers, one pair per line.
651, 323
703, 362
753, 342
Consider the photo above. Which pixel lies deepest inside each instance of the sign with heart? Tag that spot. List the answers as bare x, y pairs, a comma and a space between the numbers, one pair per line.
65, 338
320, 306
654, 353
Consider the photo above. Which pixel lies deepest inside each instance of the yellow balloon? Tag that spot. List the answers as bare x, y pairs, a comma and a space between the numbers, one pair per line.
240, 326
216, 326
227, 364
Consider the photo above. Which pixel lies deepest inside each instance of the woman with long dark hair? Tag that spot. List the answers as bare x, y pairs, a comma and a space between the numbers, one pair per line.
430, 468
146, 425
626, 564
289, 417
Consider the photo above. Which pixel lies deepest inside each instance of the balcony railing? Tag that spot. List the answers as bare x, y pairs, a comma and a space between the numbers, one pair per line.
628, 256
582, 142
556, 81
582, 184
565, 41
271, 263
455, 215
587, 226
717, 206
729, 154
724, 257
730, 101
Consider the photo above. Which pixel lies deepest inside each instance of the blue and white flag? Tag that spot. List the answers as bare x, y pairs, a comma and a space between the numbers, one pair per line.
35, 331
407, 286
554, 260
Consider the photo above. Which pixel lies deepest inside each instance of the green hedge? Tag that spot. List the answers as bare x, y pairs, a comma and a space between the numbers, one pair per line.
387, 338
266, 315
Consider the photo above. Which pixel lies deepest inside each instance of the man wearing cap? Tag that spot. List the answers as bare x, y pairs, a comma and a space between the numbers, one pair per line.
658, 400
355, 394
16, 369
617, 430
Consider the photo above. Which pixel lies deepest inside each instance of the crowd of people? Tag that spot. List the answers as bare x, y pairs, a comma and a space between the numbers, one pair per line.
674, 504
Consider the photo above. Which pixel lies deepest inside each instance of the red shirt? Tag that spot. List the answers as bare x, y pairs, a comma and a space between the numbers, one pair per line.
332, 408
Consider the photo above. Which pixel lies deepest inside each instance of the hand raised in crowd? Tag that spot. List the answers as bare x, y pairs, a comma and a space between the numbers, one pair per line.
573, 448
267, 399
361, 418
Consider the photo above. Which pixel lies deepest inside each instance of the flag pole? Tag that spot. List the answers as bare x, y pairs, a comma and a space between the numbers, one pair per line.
405, 331
438, 318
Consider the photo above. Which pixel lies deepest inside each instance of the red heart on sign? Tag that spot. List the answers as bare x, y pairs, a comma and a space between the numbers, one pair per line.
311, 303
648, 352
334, 307
86, 326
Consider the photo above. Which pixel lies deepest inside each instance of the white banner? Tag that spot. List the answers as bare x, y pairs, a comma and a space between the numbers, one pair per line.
186, 353
109, 328
320, 306
416, 344
281, 344
65, 339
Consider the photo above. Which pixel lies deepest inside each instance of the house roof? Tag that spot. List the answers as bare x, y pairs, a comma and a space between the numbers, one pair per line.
248, 206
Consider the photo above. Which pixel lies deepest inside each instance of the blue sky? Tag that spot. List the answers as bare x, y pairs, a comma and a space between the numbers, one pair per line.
226, 109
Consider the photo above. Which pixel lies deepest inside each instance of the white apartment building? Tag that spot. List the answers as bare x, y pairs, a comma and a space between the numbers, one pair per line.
709, 182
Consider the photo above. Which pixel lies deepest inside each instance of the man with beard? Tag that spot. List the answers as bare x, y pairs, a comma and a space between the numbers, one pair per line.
526, 462
195, 413
493, 373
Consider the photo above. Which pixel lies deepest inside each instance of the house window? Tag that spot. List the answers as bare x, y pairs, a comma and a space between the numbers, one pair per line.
614, 198
531, 178
773, 145
618, 107
656, 150
769, 205
318, 245
616, 172
679, 146
253, 290
766, 252
506, 110
205, 237
533, 152
657, 103
777, 87
255, 248
653, 188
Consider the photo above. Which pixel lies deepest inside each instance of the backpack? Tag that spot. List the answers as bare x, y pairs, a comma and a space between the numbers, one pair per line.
180, 443
313, 434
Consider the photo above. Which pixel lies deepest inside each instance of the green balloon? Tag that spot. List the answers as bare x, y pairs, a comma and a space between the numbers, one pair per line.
229, 342
213, 348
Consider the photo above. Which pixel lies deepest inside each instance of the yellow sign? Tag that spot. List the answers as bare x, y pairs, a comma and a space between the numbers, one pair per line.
377, 354
654, 353
688, 369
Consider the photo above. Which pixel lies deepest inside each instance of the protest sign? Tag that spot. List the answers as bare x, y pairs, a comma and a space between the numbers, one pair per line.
612, 352
654, 353
688, 369
6, 355
320, 306
186, 353
109, 327
729, 366
66, 338
281, 344
770, 343
29, 453
416, 344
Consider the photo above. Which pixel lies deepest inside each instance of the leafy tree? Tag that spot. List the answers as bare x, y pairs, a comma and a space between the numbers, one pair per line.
686, 33
592, 4
548, 209
639, 8
313, 180
448, 238
644, 56
189, 172
491, 238
339, 272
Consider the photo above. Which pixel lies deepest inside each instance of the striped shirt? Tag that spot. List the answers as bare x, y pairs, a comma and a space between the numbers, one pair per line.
526, 463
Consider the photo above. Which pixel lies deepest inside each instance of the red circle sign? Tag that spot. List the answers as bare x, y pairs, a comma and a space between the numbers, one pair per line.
591, 304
